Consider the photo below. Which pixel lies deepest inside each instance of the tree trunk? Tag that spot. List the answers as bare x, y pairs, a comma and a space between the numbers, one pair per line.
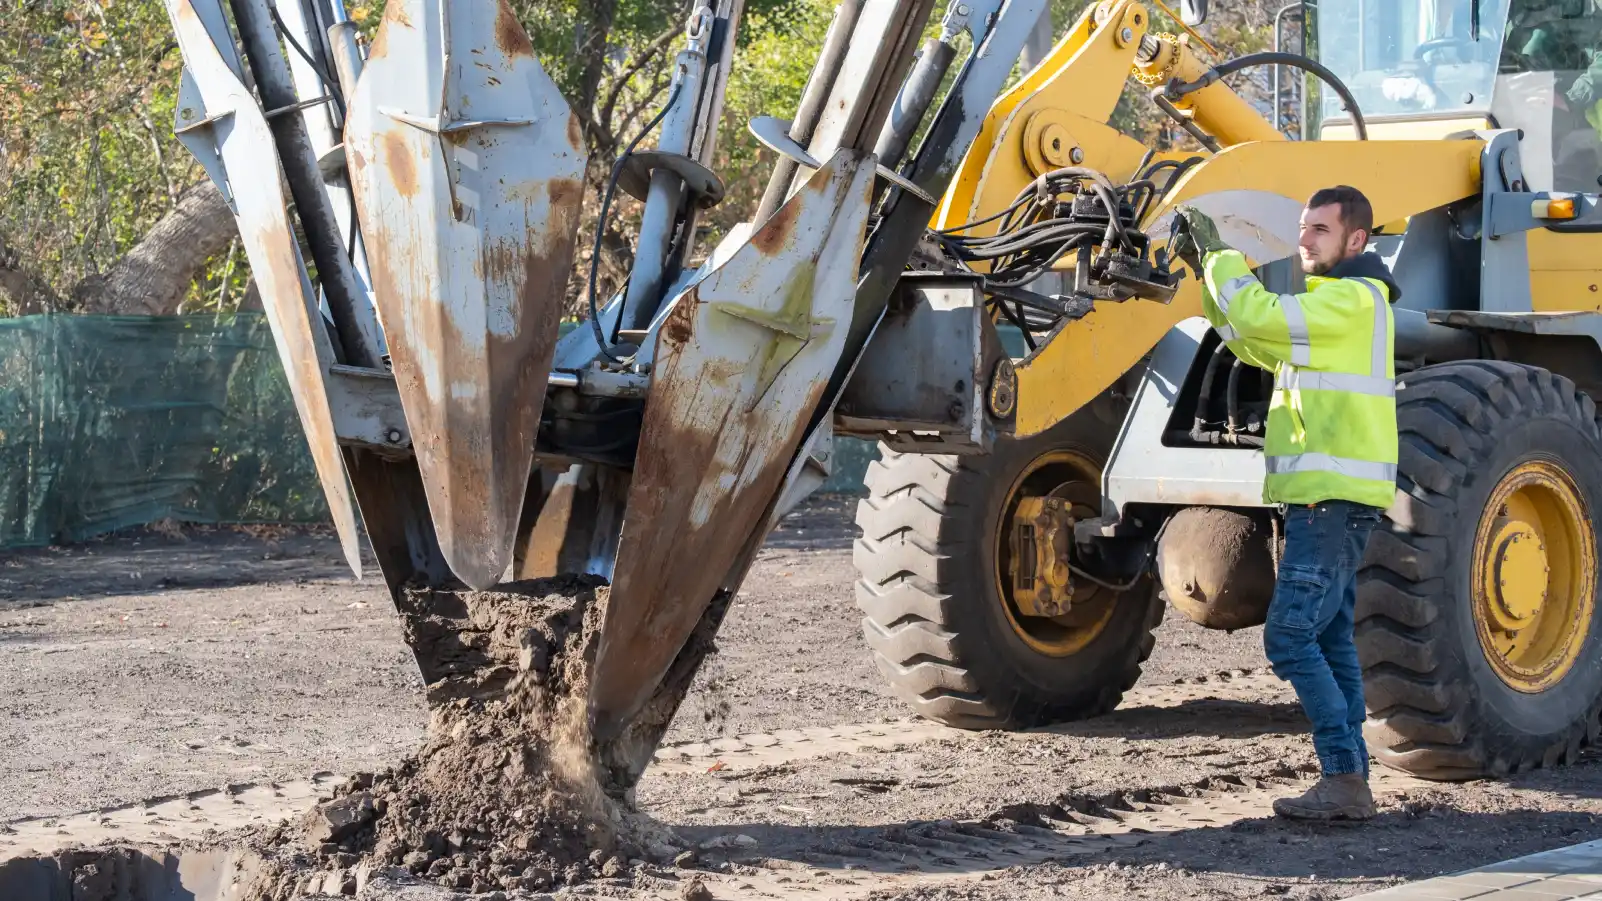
153, 278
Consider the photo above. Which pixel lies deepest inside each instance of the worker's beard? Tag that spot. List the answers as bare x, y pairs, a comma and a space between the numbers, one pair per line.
1315, 267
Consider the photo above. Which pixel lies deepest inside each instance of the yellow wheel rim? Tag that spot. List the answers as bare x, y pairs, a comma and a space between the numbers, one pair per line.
1534, 576
1077, 479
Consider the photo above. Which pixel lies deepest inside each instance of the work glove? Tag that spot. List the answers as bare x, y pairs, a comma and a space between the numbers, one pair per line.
1197, 237
1583, 93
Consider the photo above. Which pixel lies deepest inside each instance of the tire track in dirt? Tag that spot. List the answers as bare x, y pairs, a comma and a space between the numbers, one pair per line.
757, 749
181, 817
859, 862
167, 820
844, 863
826, 862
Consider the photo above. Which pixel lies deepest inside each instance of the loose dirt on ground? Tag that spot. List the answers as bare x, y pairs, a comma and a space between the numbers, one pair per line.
158, 684
504, 793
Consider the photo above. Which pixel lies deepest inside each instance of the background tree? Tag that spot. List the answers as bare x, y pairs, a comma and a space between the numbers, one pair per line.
101, 210
89, 163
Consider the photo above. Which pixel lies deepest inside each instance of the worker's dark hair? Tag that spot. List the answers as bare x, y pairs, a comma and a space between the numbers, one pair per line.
1356, 212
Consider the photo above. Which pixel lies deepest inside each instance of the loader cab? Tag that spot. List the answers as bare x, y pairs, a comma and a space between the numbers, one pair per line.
1432, 68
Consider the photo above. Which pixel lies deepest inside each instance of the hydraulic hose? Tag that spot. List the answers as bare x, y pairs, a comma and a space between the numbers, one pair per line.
1177, 89
1232, 423
914, 100
1199, 425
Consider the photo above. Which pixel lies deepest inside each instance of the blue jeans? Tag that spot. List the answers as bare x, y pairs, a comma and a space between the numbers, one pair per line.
1308, 636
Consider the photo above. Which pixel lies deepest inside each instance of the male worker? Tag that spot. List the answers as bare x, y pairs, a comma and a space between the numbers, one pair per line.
1330, 453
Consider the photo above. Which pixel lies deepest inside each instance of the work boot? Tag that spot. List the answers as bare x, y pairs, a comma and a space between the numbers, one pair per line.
1342, 797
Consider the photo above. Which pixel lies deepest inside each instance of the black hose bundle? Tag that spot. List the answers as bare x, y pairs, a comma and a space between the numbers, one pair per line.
1040, 227
1074, 210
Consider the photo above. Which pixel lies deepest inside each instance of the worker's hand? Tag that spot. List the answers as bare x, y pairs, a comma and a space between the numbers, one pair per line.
1202, 230
1197, 237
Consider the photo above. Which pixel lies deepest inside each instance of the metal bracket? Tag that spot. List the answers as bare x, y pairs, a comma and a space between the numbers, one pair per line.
634, 177
367, 409
774, 134
439, 125
193, 125
1504, 258
1512, 212
924, 381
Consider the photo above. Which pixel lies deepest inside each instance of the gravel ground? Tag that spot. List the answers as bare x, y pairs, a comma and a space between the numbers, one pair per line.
165, 662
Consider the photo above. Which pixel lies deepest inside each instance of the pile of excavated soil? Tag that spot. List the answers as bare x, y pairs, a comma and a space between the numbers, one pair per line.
505, 793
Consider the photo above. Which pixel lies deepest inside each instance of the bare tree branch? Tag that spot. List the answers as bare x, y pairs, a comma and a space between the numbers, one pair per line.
593, 50
648, 101
644, 57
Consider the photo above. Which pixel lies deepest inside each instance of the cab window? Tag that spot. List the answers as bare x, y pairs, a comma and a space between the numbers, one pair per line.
1549, 83
1407, 58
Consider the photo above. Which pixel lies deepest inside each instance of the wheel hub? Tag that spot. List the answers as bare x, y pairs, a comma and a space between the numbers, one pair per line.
1057, 614
1534, 575
1042, 537
1518, 579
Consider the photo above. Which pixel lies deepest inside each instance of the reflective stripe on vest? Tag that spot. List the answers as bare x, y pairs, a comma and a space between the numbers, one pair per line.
1307, 380
1295, 323
1226, 332
1381, 353
1301, 348
1228, 290
1376, 384
1345, 466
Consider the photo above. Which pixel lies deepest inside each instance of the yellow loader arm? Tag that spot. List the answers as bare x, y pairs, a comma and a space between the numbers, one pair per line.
1254, 187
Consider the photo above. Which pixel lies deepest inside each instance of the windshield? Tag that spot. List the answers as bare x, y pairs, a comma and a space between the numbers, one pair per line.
1406, 57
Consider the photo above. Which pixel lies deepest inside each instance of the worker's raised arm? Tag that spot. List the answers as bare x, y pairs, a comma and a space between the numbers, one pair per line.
1268, 326
1254, 339
1285, 327
1237, 345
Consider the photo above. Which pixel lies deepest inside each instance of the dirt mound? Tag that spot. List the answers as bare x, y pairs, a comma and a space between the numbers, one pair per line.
506, 792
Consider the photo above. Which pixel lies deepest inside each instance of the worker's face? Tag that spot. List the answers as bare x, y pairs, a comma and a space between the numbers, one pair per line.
1325, 241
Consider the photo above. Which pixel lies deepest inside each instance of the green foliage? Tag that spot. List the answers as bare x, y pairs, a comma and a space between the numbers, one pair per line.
88, 161
87, 156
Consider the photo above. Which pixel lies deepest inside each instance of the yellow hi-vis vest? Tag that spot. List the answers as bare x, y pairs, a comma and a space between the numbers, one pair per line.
1332, 419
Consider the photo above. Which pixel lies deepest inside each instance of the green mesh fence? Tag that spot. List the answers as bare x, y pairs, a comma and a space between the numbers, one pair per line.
114, 421
108, 422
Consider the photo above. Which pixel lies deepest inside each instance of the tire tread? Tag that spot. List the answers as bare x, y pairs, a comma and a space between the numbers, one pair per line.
1423, 715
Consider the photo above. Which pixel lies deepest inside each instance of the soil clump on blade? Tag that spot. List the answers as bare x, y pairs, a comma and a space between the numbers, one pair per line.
505, 793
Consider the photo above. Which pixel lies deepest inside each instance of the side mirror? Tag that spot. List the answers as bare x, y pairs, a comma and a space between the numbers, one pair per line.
1193, 12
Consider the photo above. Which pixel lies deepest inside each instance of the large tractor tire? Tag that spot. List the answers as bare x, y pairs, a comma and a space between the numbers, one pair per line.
1477, 607
931, 561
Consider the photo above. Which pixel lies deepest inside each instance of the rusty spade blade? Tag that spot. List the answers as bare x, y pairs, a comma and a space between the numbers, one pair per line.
233, 123
742, 360
467, 164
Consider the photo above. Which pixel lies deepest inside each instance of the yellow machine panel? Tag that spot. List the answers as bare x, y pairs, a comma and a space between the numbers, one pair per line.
1565, 271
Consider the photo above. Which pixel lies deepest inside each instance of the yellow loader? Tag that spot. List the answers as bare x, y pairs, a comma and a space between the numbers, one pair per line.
1004, 590
410, 209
